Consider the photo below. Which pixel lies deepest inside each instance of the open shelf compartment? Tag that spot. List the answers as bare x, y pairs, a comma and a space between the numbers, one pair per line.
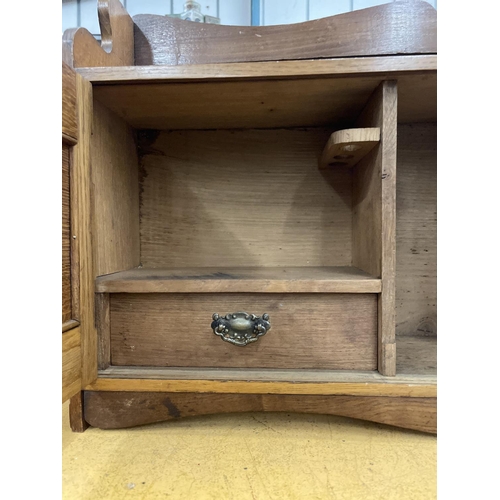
225, 196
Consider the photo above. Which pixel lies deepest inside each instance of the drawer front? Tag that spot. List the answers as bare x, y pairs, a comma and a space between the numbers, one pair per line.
310, 331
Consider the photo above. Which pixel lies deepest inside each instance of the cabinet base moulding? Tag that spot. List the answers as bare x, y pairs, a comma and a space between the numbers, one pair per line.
115, 410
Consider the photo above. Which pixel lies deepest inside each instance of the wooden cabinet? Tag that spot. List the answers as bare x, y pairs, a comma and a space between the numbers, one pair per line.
260, 235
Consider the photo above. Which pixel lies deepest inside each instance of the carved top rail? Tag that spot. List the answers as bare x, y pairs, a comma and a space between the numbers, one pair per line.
402, 27
81, 49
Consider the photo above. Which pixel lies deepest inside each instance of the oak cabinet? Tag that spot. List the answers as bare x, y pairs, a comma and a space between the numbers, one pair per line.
261, 234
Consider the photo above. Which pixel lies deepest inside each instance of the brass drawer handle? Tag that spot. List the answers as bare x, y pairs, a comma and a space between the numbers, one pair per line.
240, 328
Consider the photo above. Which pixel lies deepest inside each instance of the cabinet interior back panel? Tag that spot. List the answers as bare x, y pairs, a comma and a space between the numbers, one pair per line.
416, 231
242, 198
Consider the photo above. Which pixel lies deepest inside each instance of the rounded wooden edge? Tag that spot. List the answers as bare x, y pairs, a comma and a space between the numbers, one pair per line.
116, 48
348, 135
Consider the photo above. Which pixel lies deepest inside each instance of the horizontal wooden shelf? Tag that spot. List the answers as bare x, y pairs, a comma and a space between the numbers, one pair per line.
264, 94
398, 65
348, 147
262, 381
240, 279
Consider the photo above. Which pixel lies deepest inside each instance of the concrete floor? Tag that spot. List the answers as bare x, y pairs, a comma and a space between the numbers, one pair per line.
250, 456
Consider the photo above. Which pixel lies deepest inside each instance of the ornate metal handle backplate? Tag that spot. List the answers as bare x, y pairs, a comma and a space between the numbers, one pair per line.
240, 328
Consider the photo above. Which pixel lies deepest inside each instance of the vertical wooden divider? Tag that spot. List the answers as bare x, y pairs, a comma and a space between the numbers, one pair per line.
81, 205
374, 216
115, 193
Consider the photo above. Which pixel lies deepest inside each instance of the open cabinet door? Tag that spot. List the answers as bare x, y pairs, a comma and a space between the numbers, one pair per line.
71, 346
80, 49
78, 331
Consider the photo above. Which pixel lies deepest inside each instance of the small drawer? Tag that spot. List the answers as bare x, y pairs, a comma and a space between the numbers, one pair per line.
309, 331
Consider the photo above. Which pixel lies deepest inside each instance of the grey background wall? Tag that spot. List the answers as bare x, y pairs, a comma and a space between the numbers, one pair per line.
76, 13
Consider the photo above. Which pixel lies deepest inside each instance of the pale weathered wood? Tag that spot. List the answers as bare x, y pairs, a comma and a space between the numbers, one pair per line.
395, 66
268, 374
81, 225
112, 410
76, 417
330, 331
71, 363
262, 103
416, 355
345, 148
251, 198
240, 279
416, 231
66, 236
387, 299
115, 180
69, 128
103, 330
374, 216
395, 28
116, 48
426, 388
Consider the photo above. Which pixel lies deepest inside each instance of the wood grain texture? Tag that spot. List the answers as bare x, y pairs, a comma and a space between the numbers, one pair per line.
330, 331
76, 417
66, 237
113, 410
75, 250
416, 355
414, 388
69, 325
115, 181
348, 147
407, 27
81, 222
71, 363
374, 216
69, 127
242, 198
70, 250
416, 231
386, 67
240, 279
366, 215
81, 49
261, 103
103, 330
274, 375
